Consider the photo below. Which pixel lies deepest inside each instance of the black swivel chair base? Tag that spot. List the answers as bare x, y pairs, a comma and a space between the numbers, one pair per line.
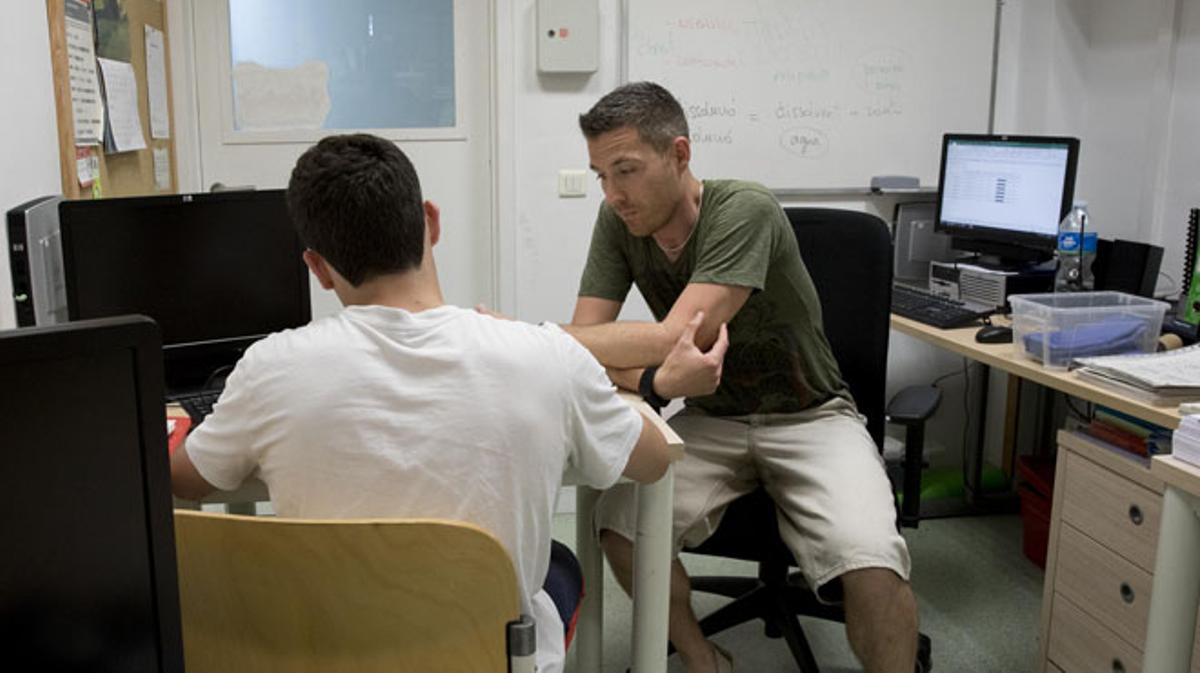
777, 597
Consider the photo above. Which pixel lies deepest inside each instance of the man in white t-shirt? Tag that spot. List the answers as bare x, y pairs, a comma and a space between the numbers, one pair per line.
403, 406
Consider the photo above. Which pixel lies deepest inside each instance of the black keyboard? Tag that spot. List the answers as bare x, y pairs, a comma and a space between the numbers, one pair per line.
932, 309
198, 404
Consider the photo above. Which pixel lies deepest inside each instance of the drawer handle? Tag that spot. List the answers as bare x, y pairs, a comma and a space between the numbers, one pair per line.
1135, 515
1117, 666
1127, 594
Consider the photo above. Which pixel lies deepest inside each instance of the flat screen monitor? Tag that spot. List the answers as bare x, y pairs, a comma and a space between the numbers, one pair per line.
87, 576
215, 271
1003, 196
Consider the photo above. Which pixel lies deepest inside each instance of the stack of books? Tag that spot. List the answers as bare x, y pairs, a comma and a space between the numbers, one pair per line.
1128, 433
1187, 439
1169, 377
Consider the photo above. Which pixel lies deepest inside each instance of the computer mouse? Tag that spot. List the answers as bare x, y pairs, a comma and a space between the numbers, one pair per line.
994, 334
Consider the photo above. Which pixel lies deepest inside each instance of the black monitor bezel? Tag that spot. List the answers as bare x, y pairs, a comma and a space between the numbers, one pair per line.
189, 364
140, 335
1006, 242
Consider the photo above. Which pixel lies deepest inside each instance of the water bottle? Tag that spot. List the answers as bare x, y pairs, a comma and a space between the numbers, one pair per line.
1076, 251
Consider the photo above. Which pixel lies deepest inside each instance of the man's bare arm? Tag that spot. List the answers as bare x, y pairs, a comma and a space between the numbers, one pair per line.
632, 345
186, 481
650, 456
595, 311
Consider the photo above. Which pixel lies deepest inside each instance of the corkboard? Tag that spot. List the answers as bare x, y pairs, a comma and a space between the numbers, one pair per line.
124, 173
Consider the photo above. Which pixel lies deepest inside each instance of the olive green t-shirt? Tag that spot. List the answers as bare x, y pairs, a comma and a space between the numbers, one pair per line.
779, 360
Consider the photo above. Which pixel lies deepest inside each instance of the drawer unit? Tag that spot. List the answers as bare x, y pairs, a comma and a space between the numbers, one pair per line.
1104, 584
1103, 538
1080, 644
1115, 511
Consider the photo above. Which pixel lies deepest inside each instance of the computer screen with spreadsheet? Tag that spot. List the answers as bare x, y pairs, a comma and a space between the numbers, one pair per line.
1004, 195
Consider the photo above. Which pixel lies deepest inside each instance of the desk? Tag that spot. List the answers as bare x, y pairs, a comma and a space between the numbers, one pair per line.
652, 557
1100, 566
1006, 358
1175, 593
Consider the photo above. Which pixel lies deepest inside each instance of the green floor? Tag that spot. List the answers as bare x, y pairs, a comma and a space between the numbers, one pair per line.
979, 600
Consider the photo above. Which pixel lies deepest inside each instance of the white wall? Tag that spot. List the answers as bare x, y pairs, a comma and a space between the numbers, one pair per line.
1180, 187
549, 234
28, 131
1098, 70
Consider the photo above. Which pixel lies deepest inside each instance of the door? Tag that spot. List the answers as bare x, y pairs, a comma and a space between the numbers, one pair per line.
452, 153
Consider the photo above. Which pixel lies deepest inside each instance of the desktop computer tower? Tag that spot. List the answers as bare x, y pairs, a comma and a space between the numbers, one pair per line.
35, 260
979, 285
915, 243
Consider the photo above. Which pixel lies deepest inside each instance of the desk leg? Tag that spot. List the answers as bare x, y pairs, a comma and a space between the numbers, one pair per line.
1176, 590
243, 508
589, 630
652, 574
974, 489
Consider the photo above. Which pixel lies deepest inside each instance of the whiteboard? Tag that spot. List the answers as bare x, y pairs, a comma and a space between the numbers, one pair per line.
818, 94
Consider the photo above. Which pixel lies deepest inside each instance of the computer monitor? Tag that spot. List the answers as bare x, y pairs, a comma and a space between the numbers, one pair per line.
216, 271
1003, 196
87, 577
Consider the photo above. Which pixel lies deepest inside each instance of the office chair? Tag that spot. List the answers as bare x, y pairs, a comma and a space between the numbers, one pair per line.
848, 255
286, 595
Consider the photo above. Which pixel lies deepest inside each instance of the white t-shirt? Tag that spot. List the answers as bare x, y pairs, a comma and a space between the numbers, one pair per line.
446, 413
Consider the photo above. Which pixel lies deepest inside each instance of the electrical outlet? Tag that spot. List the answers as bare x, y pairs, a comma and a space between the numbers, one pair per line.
572, 183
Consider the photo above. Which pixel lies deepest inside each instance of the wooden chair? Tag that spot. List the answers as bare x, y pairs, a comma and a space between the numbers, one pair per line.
285, 595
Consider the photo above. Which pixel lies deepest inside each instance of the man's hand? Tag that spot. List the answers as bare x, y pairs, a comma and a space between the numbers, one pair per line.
688, 372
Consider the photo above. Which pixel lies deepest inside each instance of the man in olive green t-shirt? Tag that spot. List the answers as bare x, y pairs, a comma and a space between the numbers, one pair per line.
781, 415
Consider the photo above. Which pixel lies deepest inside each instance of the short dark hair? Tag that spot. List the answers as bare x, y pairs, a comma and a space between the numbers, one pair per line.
645, 106
355, 200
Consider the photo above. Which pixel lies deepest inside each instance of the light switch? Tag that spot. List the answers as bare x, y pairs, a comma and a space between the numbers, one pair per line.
572, 183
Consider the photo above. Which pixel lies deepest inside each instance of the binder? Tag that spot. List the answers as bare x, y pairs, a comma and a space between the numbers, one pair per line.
1191, 276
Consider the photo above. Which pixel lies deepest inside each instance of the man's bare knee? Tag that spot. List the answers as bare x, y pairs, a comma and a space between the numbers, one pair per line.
619, 551
611, 538
881, 619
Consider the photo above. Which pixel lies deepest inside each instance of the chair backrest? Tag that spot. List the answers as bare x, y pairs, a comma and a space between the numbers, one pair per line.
849, 256
271, 594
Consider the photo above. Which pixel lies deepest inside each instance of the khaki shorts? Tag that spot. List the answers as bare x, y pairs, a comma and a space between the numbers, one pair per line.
820, 466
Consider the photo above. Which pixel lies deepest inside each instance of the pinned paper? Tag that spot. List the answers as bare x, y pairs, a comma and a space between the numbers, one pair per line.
87, 165
156, 83
162, 168
86, 108
124, 131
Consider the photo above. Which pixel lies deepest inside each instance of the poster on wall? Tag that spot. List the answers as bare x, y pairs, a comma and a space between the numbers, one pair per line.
86, 107
112, 30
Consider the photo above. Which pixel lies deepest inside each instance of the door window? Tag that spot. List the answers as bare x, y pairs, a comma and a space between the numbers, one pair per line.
307, 65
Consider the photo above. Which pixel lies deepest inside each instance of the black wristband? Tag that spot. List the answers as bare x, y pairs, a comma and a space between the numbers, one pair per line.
646, 390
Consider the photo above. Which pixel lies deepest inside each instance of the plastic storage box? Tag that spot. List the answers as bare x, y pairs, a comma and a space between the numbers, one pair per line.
1056, 328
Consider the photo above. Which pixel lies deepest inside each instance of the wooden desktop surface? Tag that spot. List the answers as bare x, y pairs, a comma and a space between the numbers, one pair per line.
1006, 358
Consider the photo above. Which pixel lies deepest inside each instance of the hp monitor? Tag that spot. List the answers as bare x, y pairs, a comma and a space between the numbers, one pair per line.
1003, 196
217, 272
87, 576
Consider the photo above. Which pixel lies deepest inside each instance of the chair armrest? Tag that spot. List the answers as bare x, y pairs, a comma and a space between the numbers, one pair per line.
521, 643
914, 404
